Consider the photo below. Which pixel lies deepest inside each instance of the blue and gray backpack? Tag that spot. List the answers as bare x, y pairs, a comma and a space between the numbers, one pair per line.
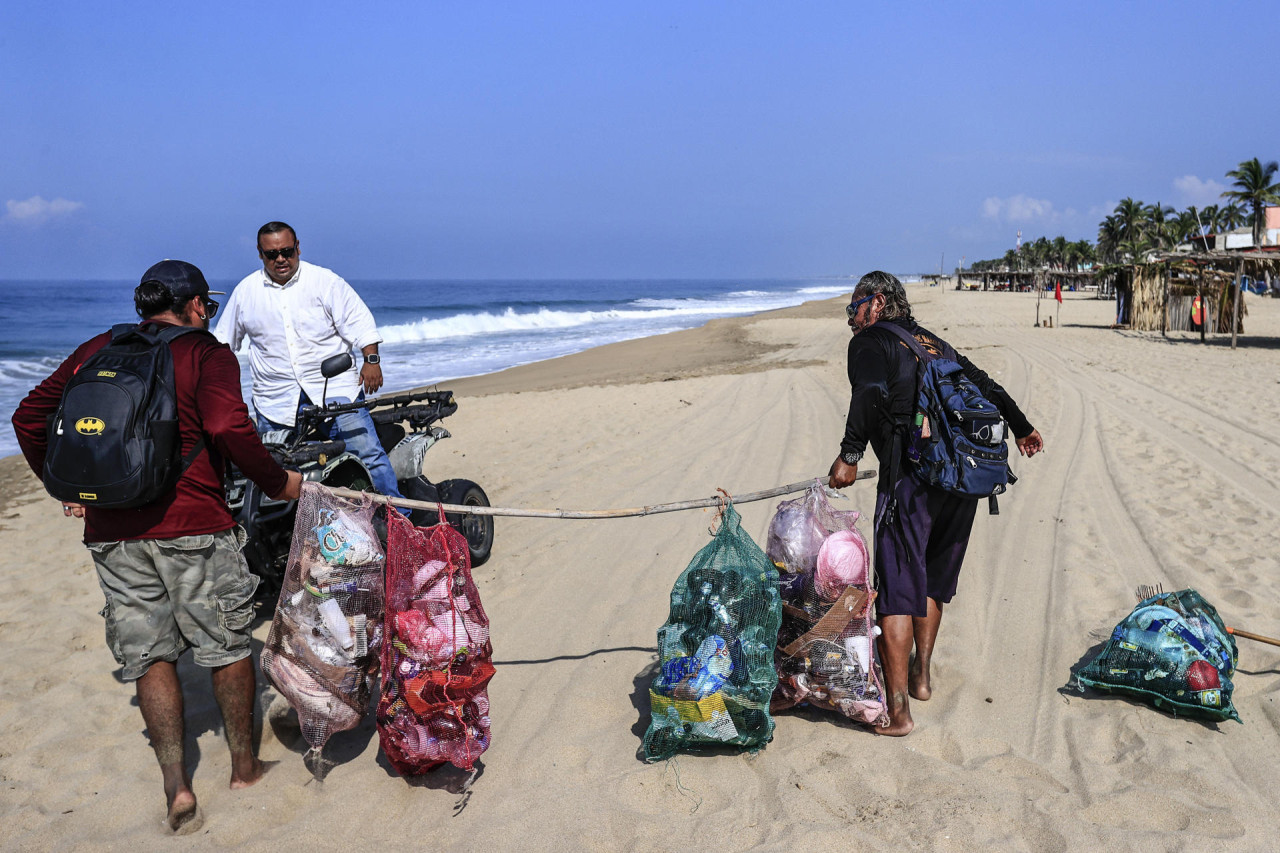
956, 439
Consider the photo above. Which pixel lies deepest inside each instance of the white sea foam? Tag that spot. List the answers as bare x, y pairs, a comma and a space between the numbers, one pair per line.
25, 374
832, 289
510, 320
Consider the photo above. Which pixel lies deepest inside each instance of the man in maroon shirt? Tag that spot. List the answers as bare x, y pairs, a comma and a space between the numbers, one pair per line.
171, 571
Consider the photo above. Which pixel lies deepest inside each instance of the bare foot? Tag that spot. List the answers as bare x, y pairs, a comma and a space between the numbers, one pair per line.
184, 813
918, 681
900, 722
245, 773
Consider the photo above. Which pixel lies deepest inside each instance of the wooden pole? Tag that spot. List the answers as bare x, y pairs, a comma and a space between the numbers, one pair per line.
1035, 284
1204, 313
1235, 313
1164, 330
589, 513
1237, 632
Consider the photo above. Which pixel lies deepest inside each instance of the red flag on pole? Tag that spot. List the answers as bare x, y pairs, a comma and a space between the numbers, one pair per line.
1057, 291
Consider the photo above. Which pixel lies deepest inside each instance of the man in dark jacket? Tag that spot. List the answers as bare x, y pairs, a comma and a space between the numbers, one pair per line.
918, 548
171, 570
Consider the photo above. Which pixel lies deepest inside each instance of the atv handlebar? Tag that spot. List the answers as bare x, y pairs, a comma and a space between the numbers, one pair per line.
434, 405
397, 401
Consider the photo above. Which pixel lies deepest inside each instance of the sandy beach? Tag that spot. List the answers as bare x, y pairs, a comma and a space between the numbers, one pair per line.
1160, 467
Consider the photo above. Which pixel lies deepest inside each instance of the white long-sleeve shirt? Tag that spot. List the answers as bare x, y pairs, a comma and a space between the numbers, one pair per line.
291, 328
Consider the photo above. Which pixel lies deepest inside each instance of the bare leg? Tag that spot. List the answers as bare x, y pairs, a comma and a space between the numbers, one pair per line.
895, 655
160, 698
233, 687
926, 631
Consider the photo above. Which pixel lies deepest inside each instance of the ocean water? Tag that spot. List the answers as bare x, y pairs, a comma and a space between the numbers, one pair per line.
432, 330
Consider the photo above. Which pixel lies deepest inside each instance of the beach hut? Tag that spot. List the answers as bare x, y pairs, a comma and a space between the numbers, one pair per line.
1160, 294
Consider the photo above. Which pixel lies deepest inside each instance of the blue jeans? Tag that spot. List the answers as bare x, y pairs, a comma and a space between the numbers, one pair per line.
356, 429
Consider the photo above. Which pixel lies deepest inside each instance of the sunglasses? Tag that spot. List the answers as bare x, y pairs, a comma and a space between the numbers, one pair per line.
852, 308
272, 254
210, 307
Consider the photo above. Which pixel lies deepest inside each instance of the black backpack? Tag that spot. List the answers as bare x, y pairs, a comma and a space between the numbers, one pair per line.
114, 442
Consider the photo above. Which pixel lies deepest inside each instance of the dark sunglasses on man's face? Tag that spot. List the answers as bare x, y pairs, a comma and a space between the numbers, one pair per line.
852, 308
210, 308
272, 254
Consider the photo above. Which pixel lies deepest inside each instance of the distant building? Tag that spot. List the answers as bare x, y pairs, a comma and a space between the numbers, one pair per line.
1240, 238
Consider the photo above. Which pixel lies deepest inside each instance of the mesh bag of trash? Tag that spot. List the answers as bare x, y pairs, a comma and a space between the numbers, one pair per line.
716, 649
826, 654
436, 659
1172, 651
322, 650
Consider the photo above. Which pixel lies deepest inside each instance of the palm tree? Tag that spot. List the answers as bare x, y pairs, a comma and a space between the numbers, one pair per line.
1135, 250
1084, 252
1038, 252
1255, 186
1184, 226
1192, 220
1060, 245
1158, 220
1133, 218
1108, 238
1230, 216
1209, 218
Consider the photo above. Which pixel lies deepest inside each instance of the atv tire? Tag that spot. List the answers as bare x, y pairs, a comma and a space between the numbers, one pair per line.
478, 529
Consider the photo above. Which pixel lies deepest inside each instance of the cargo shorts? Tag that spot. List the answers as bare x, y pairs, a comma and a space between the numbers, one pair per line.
164, 596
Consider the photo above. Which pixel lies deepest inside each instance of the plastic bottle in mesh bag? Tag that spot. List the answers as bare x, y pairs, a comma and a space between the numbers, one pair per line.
826, 654
437, 658
322, 650
716, 649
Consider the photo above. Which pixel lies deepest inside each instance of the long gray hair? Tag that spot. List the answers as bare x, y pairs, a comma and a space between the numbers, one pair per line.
896, 305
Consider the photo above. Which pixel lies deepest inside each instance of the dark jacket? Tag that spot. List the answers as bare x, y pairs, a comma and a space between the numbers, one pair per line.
207, 377
882, 379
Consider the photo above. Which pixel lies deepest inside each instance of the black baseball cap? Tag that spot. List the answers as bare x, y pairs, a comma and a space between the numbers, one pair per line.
184, 280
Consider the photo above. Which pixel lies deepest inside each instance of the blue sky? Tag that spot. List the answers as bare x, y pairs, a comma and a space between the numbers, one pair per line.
609, 140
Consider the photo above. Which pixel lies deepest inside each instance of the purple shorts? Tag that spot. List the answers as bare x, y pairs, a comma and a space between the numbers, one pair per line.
919, 552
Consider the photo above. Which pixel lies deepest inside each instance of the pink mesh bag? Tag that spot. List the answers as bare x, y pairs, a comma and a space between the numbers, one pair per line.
437, 659
322, 651
826, 654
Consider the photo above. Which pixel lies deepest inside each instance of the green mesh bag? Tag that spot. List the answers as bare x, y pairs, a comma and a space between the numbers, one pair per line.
716, 650
1174, 652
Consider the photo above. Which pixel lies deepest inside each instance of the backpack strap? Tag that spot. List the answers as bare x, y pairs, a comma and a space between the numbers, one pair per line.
145, 331
909, 339
192, 454
165, 335
168, 334
122, 330
897, 447
152, 332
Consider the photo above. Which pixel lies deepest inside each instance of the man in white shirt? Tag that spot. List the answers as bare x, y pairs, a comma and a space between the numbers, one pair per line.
296, 315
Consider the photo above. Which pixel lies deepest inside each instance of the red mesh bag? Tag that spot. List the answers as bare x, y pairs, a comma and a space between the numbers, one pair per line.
322, 651
436, 656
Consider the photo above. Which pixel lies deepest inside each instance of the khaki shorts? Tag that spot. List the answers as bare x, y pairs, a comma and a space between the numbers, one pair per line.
165, 596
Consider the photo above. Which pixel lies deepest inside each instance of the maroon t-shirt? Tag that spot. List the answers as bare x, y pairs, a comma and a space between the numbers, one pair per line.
207, 377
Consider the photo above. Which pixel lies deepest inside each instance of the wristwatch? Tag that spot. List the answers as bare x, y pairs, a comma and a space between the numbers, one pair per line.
851, 458
373, 358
